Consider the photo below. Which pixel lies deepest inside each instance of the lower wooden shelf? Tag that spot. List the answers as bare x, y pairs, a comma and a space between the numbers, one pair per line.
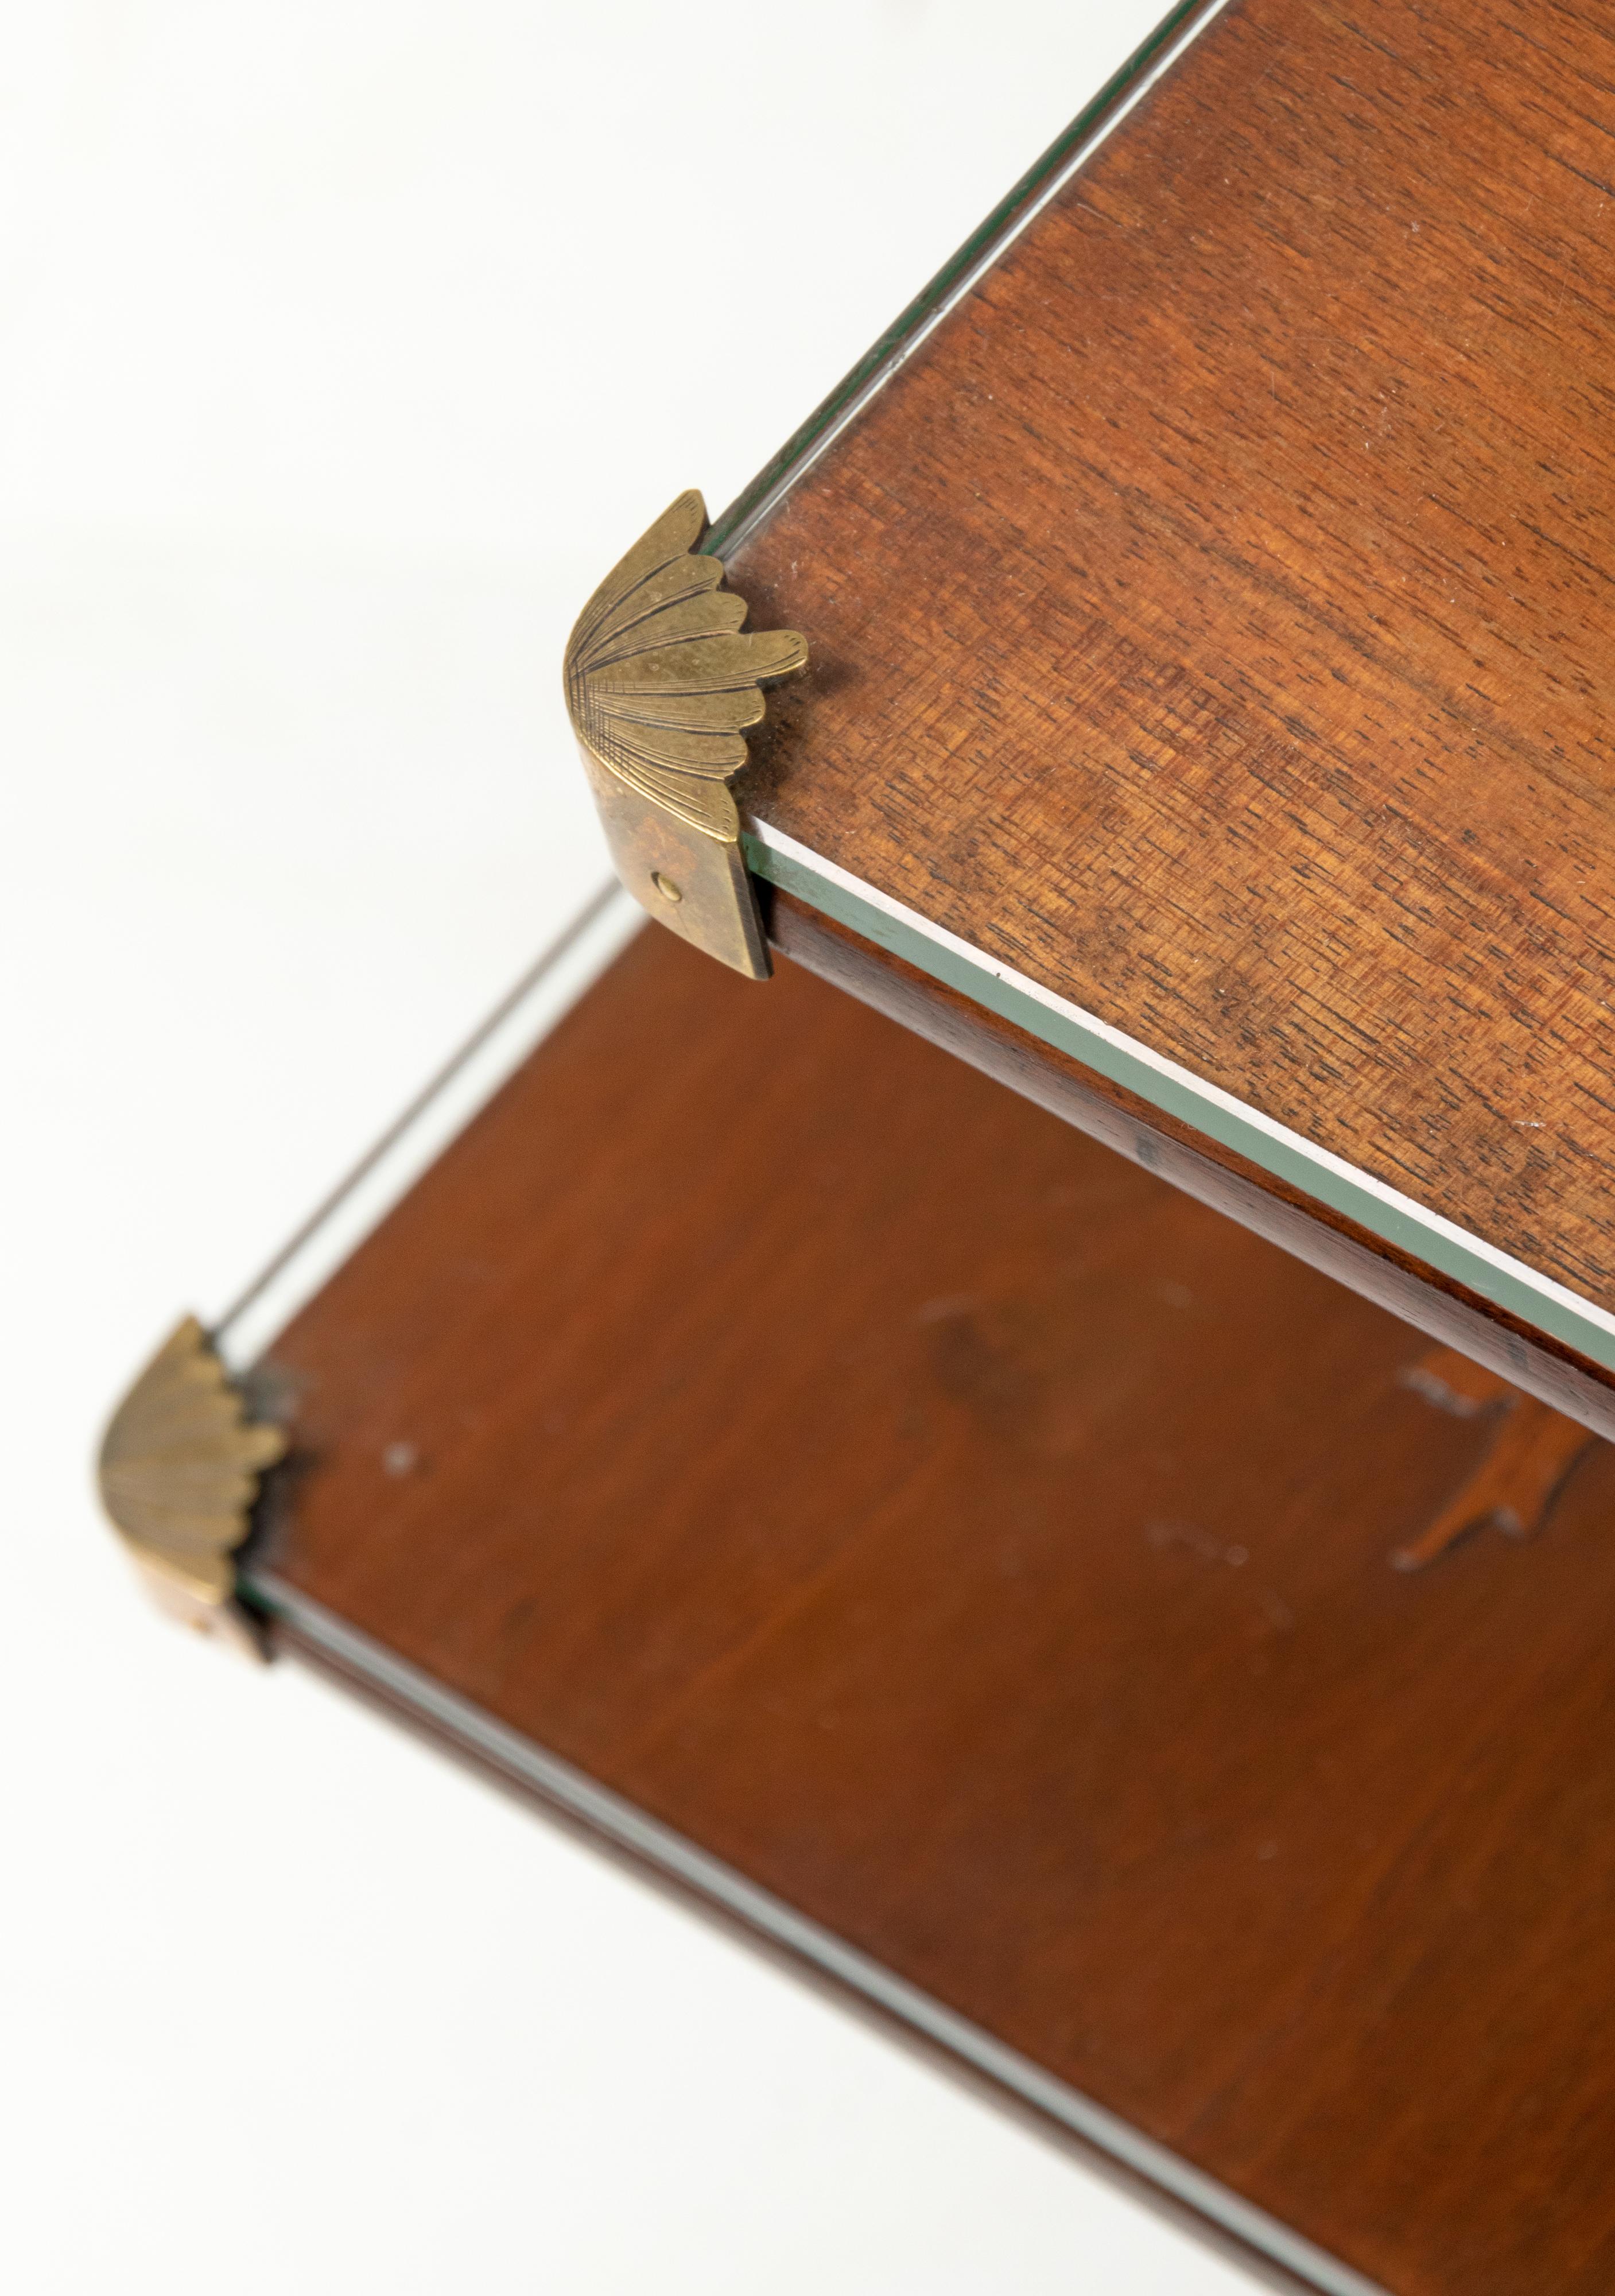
973, 1563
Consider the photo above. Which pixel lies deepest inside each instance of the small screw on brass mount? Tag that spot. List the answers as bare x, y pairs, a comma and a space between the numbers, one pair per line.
661, 682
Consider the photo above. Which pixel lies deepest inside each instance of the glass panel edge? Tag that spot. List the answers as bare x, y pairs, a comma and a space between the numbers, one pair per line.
1219, 2209
563, 973
1538, 1300
1154, 55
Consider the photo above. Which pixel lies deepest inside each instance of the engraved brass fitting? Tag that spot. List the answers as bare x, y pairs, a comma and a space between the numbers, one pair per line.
661, 682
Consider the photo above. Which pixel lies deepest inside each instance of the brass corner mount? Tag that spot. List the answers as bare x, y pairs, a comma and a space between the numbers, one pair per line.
661, 683
178, 1474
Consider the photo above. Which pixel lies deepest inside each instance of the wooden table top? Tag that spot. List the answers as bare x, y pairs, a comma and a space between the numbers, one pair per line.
1005, 1574
1212, 619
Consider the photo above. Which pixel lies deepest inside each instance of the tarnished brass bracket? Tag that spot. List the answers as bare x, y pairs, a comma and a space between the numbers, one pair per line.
178, 1473
661, 683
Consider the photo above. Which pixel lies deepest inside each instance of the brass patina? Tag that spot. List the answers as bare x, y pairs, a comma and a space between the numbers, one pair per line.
661, 683
178, 1474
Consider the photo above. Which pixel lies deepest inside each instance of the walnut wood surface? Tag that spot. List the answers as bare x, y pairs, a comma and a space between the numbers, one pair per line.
1215, 619
990, 1550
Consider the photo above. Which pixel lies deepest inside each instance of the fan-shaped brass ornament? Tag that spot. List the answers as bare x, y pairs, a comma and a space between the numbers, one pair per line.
178, 1473
661, 683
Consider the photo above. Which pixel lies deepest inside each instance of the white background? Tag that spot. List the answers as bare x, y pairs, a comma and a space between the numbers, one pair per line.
341, 346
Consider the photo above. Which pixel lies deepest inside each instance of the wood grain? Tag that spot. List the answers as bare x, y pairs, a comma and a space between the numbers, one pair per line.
1214, 618
1211, 1173
989, 1550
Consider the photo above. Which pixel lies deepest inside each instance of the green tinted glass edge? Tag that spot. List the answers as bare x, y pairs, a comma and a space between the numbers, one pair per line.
728, 529
1397, 1221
